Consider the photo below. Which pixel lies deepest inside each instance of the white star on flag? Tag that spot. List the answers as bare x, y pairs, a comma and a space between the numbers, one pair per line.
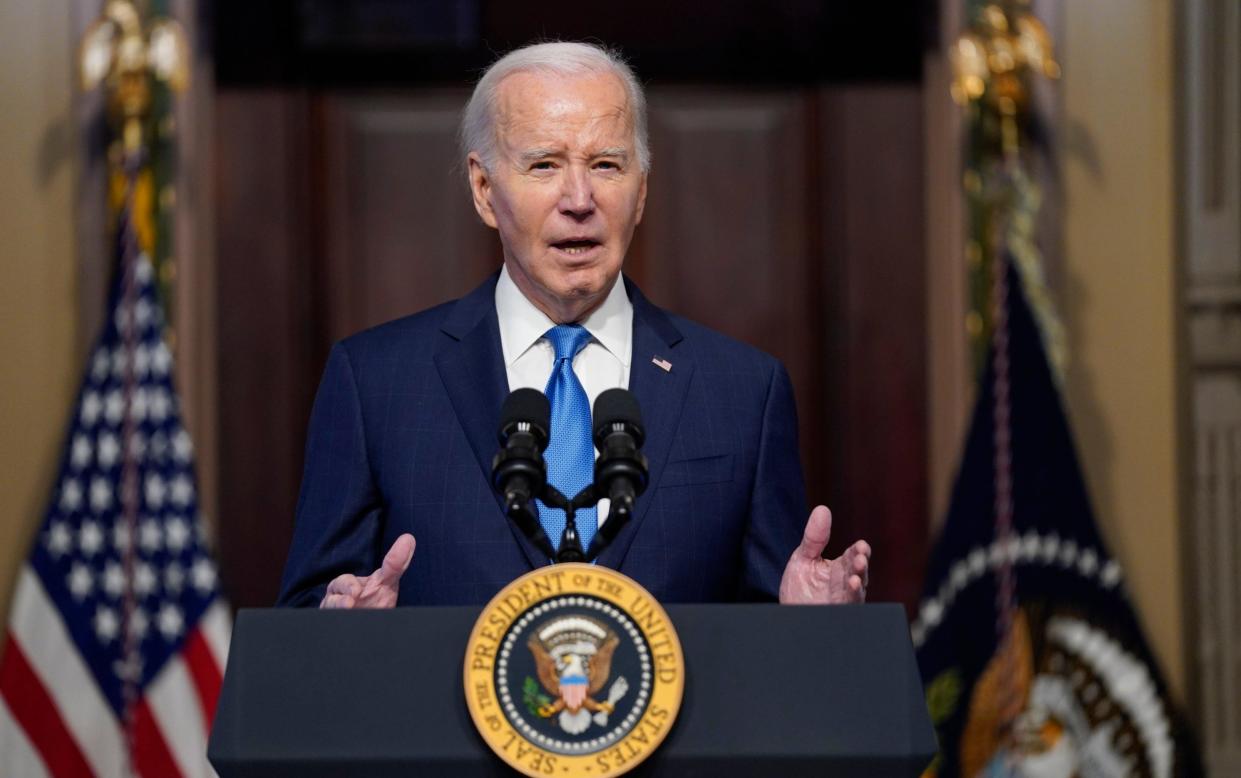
91, 406
182, 491
99, 366
170, 621
100, 494
109, 449
174, 578
160, 404
81, 452
113, 407
161, 360
182, 448
149, 536
113, 580
144, 580
107, 625
59, 538
90, 538
81, 581
70, 495
203, 574
155, 491
177, 531
119, 361
142, 313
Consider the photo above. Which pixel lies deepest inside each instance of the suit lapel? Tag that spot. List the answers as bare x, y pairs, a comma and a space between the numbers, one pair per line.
470, 362
661, 395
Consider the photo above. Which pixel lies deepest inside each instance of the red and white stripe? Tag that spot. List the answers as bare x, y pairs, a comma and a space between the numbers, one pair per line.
182, 697
54, 721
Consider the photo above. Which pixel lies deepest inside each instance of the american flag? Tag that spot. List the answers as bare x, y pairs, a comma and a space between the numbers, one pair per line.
117, 635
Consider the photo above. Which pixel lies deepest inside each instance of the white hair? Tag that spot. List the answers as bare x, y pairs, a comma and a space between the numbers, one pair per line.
562, 58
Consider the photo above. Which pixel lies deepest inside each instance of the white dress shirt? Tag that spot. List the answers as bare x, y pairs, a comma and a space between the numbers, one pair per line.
603, 363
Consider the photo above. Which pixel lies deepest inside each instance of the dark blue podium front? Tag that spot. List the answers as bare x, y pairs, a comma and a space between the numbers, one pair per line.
770, 690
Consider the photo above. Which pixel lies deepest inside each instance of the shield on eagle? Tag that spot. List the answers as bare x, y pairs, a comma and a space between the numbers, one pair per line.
573, 656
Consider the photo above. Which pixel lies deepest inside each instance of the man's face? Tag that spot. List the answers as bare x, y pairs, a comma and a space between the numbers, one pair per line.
566, 189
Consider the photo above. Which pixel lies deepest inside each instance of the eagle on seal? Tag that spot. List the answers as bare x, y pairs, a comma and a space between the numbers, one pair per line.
573, 656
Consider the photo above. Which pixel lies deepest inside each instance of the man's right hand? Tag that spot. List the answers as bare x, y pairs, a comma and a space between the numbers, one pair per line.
377, 590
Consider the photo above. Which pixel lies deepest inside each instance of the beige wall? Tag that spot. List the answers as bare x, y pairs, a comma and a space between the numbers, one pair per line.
1119, 296
38, 360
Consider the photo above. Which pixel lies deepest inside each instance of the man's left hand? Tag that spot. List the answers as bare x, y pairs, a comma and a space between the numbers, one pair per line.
809, 579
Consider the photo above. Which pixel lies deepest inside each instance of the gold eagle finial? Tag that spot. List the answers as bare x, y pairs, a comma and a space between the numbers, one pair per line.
119, 53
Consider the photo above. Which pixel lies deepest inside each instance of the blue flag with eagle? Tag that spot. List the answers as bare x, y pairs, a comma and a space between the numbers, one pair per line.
1032, 658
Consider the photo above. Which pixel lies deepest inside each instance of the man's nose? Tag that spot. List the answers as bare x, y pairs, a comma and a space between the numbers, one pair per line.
577, 198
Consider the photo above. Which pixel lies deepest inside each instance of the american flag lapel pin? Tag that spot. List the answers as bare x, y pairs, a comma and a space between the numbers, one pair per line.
662, 363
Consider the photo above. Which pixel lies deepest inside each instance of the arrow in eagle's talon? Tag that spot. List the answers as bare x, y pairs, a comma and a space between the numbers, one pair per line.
619, 687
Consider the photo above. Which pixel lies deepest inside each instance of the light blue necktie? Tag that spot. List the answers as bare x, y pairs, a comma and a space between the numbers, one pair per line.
570, 454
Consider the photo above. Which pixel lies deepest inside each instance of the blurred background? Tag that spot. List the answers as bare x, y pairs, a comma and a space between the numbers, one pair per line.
810, 194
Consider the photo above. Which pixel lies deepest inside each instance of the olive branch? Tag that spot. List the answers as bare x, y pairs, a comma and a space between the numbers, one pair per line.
533, 697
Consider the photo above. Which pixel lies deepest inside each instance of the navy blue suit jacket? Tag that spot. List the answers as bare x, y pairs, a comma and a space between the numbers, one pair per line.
404, 429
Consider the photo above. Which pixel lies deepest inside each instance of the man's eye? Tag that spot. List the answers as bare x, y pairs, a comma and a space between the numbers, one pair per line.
607, 165
544, 165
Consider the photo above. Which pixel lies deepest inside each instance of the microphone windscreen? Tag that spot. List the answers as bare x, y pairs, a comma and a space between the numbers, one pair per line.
618, 405
528, 405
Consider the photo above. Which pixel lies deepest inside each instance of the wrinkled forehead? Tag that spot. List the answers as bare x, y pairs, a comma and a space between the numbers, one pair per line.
534, 106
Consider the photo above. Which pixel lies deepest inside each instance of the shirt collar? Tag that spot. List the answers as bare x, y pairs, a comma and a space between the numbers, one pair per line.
522, 324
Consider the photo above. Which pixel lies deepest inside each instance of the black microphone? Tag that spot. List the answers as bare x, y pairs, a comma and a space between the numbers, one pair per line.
621, 469
518, 470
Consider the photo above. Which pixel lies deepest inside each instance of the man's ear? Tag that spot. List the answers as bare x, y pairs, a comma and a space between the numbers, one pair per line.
480, 189
641, 200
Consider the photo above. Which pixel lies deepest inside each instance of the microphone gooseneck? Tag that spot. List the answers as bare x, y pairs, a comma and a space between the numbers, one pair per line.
621, 471
519, 472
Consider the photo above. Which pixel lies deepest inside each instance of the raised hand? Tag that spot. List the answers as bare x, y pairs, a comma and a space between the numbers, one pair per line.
809, 579
377, 590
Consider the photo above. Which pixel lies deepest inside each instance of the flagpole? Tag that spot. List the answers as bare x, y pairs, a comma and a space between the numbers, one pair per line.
1006, 585
129, 465
993, 63
128, 57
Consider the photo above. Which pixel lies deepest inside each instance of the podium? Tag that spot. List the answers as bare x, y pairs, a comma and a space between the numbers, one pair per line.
769, 690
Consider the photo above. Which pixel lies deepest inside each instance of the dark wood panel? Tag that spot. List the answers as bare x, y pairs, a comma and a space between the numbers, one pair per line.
267, 340
726, 239
401, 232
874, 263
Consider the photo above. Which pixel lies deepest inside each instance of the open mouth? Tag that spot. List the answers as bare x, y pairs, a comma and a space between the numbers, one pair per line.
576, 247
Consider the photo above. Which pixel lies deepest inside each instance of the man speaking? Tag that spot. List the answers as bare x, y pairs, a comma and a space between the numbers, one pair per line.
404, 425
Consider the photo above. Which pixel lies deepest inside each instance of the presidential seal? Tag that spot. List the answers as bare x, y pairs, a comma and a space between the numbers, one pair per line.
573, 670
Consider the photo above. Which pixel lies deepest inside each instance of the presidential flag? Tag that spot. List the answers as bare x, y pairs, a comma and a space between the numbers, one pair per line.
117, 634
1032, 657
